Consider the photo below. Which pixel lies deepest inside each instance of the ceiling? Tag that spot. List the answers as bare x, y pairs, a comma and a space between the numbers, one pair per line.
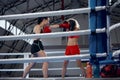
31, 6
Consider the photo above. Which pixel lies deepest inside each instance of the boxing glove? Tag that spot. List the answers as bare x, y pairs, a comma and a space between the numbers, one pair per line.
46, 29
65, 25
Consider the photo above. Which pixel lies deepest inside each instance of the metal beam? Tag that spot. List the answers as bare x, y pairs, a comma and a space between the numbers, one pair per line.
12, 4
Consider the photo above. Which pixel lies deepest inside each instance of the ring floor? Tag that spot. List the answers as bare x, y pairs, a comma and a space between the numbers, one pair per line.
59, 78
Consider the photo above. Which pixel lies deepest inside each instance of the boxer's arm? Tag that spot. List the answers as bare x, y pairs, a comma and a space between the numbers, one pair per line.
63, 25
54, 26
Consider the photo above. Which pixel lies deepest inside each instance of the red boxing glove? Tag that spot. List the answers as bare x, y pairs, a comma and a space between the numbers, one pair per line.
46, 29
65, 25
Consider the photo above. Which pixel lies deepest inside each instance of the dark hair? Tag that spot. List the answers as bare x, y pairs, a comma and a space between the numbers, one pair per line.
72, 25
40, 19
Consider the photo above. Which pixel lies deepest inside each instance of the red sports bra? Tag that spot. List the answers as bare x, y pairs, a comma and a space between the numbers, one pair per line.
73, 36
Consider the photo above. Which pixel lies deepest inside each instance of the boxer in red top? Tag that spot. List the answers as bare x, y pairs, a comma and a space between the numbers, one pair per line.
72, 44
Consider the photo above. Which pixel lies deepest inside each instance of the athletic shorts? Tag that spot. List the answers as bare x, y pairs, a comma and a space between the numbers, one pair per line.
72, 50
36, 46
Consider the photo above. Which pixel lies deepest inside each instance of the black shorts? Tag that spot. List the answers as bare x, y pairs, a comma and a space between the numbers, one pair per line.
36, 46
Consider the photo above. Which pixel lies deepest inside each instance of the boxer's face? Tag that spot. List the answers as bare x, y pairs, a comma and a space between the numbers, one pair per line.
47, 21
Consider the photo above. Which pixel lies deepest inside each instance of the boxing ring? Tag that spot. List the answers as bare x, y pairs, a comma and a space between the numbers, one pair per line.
85, 57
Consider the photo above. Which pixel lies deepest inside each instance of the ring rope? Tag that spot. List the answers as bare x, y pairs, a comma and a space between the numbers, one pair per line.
50, 13
56, 69
57, 34
51, 52
114, 26
49, 59
48, 35
116, 53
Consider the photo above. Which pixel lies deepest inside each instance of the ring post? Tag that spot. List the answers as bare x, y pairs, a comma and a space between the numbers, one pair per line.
98, 42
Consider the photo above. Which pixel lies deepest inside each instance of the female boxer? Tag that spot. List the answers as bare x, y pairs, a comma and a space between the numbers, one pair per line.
37, 48
72, 44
